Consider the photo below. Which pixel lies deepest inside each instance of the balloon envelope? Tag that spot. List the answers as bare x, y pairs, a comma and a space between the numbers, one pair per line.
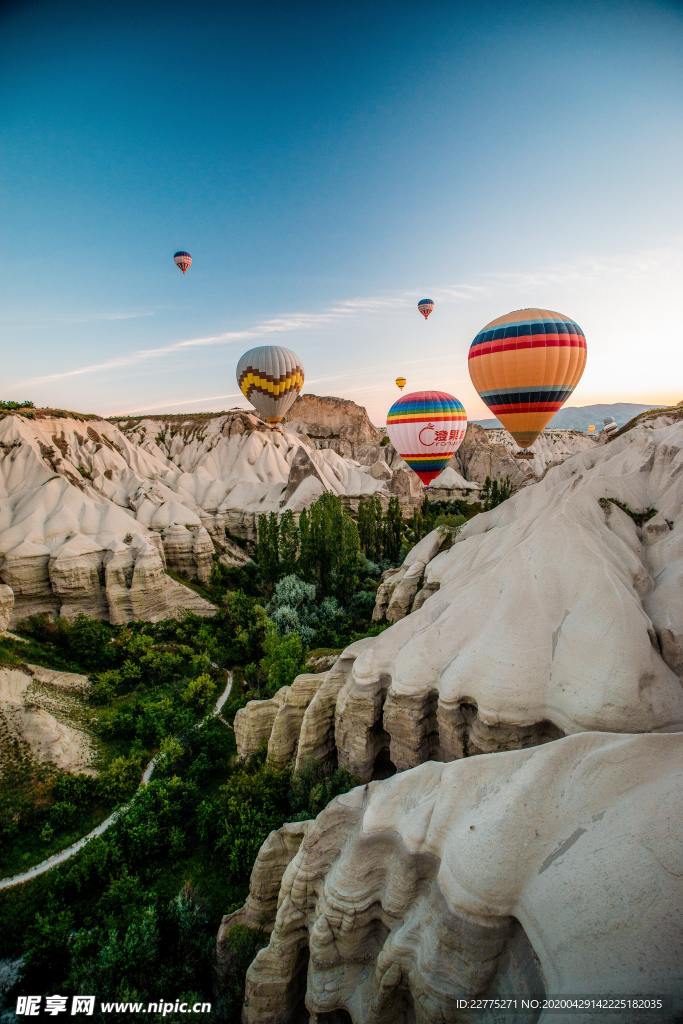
591, 428
525, 365
182, 260
400, 382
426, 428
425, 306
271, 377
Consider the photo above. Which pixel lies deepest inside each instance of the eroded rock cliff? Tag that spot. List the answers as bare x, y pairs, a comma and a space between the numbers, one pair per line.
558, 612
485, 877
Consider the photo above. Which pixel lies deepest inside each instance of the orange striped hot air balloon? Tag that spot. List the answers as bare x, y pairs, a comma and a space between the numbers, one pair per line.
525, 365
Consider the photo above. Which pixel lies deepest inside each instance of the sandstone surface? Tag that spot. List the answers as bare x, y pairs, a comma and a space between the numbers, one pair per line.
399, 587
494, 453
558, 612
6, 606
276, 722
557, 870
37, 720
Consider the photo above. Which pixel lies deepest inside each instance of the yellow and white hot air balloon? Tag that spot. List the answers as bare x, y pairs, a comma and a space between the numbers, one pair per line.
271, 377
400, 383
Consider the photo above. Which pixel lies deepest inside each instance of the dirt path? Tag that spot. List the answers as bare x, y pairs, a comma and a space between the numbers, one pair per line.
71, 851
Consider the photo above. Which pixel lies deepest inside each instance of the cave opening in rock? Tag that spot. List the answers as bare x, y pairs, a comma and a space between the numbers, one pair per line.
334, 1017
384, 767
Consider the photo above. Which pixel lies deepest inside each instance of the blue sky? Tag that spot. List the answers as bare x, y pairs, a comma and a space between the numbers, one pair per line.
326, 165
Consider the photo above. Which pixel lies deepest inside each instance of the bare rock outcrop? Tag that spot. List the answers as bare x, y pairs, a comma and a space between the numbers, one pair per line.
485, 878
559, 612
493, 453
41, 720
189, 551
275, 855
335, 423
6, 606
253, 724
276, 722
399, 587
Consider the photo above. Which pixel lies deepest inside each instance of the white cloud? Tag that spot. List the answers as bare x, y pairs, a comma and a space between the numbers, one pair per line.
622, 268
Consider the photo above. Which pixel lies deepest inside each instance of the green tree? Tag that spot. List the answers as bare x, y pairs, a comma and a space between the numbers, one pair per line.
371, 527
284, 659
200, 692
288, 544
306, 552
267, 553
348, 561
393, 530
243, 625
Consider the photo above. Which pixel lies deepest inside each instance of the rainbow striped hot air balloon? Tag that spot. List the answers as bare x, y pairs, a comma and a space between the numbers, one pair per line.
182, 260
426, 428
425, 306
271, 377
525, 365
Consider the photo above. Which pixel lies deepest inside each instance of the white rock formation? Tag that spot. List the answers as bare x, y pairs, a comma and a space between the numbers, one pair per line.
6, 606
557, 870
75, 523
399, 587
494, 453
35, 719
87, 501
450, 485
276, 723
554, 613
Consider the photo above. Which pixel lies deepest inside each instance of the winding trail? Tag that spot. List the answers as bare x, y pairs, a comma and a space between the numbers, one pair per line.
71, 851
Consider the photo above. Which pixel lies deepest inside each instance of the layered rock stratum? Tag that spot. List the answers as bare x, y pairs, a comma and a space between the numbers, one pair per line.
95, 514
492, 871
40, 710
558, 612
556, 870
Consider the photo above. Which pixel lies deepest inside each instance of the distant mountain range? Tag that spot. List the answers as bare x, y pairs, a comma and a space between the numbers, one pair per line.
580, 417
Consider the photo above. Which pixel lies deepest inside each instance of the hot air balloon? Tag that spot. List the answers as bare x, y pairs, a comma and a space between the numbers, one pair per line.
400, 383
425, 306
182, 260
609, 425
426, 428
525, 365
271, 377
591, 428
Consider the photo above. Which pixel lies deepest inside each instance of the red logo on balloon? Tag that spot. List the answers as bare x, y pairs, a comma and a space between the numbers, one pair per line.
426, 430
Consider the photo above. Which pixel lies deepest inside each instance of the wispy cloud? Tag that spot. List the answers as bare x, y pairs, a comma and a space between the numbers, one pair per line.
519, 281
173, 403
276, 325
92, 318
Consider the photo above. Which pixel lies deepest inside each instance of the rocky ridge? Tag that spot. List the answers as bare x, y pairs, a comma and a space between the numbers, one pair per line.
94, 513
493, 870
37, 720
597, 637
485, 877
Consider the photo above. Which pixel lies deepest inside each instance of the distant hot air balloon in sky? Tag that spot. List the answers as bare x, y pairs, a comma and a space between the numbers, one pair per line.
271, 377
609, 425
182, 260
525, 365
425, 306
426, 428
591, 428
400, 383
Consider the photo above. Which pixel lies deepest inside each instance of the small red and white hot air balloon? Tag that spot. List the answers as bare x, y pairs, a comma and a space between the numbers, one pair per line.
182, 260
